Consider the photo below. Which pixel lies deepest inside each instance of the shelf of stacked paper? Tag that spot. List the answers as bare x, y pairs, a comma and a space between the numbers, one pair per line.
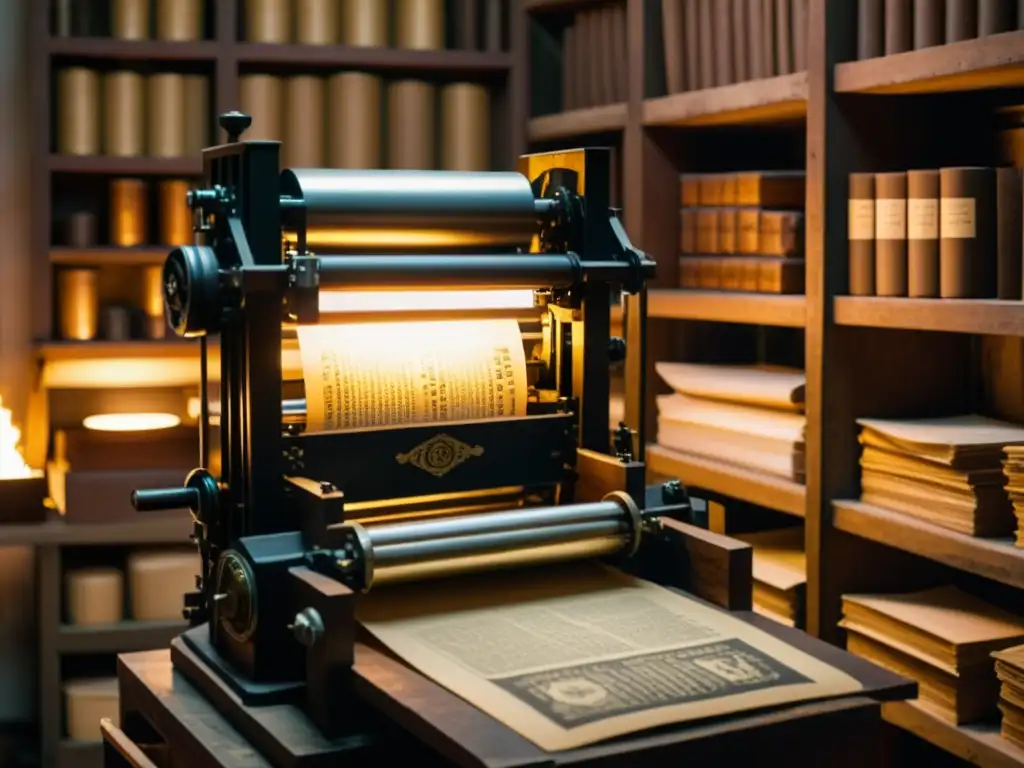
745, 416
1013, 468
779, 573
1010, 671
944, 639
947, 471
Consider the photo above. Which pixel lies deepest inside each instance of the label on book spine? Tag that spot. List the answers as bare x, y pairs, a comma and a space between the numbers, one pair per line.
957, 218
862, 220
890, 219
922, 219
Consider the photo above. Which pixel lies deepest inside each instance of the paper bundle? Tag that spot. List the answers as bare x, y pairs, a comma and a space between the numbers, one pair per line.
947, 471
1013, 468
1010, 672
942, 638
747, 416
780, 574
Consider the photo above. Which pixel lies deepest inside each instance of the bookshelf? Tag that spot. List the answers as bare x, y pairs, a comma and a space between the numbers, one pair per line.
863, 356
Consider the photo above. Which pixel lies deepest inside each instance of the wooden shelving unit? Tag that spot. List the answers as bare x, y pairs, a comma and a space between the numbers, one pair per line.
100, 257
989, 317
773, 100
577, 123
974, 744
723, 307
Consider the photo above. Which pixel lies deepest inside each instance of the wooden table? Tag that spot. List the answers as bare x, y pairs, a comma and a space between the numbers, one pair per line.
417, 722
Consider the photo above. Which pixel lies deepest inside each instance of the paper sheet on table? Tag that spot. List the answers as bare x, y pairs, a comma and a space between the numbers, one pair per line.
571, 655
382, 374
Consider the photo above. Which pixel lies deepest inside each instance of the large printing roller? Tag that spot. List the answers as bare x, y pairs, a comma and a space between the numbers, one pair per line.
409, 449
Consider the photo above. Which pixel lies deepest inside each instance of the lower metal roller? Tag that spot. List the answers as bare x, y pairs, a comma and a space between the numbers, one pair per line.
409, 551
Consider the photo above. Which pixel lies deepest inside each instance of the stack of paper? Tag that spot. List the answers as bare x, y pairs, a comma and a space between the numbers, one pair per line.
946, 471
1013, 468
748, 416
1010, 671
942, 638
780, 574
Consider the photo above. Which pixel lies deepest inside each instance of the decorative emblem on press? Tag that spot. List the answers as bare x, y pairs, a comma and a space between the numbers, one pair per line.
439, 455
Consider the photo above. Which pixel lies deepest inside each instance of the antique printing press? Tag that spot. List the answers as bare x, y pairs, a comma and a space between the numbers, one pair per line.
299, 524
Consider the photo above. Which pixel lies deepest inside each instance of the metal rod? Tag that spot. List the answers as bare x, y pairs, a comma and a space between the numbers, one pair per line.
494, 522
204, 405
468, 546
342, 273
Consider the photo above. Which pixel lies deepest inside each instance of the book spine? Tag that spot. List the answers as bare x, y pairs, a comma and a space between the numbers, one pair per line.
303, 145
731, 271
961, 20
710, 271
569, 96
727, 230
316, 21
691, 37
124, 123
740, 51
799, 35
707, 189
783, 37
923, 234
493, 26
891, 234
706, 36
748, 226
929, 24
411, 121
755, 36
166, 115
689, 273
729, 194
688, 231
365, 23
994, 16
672, 33
419, 24
768, 37
870, 39
861, 234
262, 97
354, 99
784, 276
749, 274
1010, 239
466, 127
781, 233
621, 56
604, 22
899, 30
467, 25
689, 189
198, 125
721, 15
967, 233
707, 230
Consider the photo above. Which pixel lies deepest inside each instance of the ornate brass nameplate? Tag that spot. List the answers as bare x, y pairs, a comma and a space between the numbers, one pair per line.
439, 455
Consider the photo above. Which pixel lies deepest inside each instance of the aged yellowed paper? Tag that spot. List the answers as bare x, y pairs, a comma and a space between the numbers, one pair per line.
574, 654
382, 374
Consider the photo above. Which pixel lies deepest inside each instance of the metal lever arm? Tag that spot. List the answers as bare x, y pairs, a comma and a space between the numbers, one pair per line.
159, 499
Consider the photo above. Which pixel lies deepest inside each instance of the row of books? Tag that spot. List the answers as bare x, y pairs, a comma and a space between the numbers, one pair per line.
758, 189
750, 231
757, 274
710, 43
946, 233
892, 26
594, 62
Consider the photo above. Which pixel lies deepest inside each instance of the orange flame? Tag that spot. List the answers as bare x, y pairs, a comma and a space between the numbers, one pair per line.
12, 464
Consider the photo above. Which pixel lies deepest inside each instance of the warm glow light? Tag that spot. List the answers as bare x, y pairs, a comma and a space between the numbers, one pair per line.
411, 301
130, 422
12, 465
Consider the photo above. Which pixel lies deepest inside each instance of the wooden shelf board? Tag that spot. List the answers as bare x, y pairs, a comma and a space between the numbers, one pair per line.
101, 257
724, 307
98, 350
55, 532
122, 637
112, 49
995, 61
375, 58
996, 559
743, 484
984, 316
772, 100
128, 166
548, 6
577, 122
80, 754
978, 744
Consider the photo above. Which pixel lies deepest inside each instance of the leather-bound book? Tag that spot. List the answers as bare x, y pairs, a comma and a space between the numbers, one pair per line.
709, 189
740, 36
267, 21
771, 189
316, 21
755, 38
364, 23
732, 274
304, 120
570, 97
891, 234
749, 273
780, 276
689, 273
782, 233
923, 234
899, 28
783, 37
727, 230
769, 39
721, 15
689, 190
994, 16
961, 20
467, 24
167, 115
706, 35
929, 23
711, 272
419, 24
181, 20
354, 100
672, 39
707, 230
124, 97
800, 32
748, 230
411, 133
730, 189
1009, 237
466, 127
262, 97
691, 38
870, 26
861, 234
620, 53
967, 232
688, 230
494, 28
78, 111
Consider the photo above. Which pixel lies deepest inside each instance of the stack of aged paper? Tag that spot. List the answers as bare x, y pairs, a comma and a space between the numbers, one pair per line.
1013, 468
750, 416
780, 574
1010, 671
941, 637
946, 471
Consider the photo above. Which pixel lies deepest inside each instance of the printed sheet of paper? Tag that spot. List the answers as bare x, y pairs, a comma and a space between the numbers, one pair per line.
572, 655
382, 374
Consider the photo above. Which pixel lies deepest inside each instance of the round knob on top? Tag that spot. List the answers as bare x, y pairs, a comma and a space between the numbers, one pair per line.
235, 124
